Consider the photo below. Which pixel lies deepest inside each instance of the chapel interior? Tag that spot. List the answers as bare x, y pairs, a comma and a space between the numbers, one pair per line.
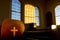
41, 19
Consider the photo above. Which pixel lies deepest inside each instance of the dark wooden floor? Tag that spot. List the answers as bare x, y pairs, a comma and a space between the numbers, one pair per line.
34, 35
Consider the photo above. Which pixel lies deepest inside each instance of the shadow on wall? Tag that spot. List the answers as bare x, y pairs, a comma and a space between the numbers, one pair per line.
48, 19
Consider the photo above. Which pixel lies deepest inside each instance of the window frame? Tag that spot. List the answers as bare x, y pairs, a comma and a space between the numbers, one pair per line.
14, 9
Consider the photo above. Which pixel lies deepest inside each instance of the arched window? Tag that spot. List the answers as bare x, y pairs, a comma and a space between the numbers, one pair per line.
29, 14
16, 9
57, 14
37, 16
